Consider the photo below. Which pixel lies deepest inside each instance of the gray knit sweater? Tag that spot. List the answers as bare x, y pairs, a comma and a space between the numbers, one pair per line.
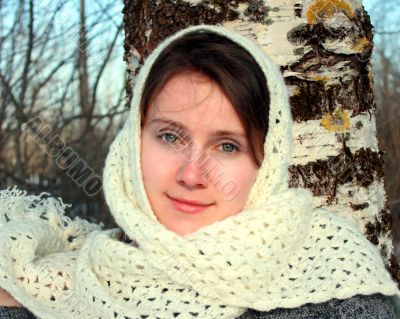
358, 307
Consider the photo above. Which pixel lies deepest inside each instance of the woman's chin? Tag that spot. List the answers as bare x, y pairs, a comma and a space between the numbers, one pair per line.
183, 227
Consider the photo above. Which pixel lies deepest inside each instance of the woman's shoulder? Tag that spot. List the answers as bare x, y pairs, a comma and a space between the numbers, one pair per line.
360, 306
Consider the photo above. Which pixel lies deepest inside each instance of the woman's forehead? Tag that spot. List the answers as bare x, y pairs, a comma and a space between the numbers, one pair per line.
194, 101
186, 82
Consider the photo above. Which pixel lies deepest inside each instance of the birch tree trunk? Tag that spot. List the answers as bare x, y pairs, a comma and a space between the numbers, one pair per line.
323, 48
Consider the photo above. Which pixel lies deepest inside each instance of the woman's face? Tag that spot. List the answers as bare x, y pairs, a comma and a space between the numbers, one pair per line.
196, 162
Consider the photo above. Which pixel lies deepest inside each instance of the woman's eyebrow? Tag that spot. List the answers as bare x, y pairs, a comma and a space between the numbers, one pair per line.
221, 133
168, 122
214, 134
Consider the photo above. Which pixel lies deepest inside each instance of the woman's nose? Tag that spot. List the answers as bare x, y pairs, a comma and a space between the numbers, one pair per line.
192, 173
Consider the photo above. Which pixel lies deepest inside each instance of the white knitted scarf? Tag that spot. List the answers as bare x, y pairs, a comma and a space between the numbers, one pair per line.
277, 252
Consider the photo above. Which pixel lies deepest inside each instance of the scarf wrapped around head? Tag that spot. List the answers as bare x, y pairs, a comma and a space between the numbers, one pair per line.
277, 252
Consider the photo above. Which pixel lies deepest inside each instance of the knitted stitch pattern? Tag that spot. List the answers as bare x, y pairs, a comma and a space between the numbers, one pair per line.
277, 253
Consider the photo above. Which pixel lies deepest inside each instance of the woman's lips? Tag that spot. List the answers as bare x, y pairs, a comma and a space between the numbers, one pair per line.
188, 206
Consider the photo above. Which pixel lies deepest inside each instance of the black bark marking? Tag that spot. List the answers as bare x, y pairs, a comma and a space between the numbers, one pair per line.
394, 269
258, 12
323, 177
382, 224
313, 98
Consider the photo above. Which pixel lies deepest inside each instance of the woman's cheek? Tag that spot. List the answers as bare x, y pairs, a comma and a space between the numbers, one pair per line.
159, 164
243, 174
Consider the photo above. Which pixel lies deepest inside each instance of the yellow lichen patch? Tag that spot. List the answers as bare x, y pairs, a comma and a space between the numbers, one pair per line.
321, 78
322, 10
361, 45
339, 121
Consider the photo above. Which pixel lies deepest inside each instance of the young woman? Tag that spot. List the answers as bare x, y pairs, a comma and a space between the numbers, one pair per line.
197, 180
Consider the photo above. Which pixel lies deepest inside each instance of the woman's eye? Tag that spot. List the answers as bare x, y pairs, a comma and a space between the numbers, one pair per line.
169, 137
229, 147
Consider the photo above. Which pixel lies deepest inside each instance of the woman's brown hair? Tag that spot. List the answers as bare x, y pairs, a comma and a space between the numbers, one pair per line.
230, 66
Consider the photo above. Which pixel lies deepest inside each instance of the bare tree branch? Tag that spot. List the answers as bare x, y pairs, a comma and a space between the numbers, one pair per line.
388, 32
103, 65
